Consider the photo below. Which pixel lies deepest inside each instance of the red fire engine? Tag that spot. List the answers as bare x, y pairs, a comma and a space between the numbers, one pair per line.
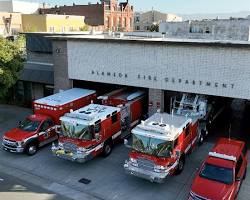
132, 103
39, 129
198, 107
94, 129
160, 145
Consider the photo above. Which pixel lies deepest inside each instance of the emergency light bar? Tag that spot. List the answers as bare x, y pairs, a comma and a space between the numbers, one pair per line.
222, 156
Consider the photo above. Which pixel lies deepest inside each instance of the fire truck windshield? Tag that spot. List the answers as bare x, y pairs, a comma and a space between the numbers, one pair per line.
152, 146
76, 131
29, 125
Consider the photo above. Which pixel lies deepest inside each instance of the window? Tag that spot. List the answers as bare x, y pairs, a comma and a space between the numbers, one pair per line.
217, 173
45, 126
137, 19
114, 118
63, 29
175, 142
97, 126
238, 166
187, 131
52, 29
207, 30
244, 150
195, 29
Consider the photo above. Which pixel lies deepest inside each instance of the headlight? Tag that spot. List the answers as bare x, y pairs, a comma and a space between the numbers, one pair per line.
81, 150
133, 162
20, 143
192, 195
159, 168
60, 145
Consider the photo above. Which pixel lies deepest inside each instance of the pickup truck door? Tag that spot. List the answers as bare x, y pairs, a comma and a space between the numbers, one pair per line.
47, 132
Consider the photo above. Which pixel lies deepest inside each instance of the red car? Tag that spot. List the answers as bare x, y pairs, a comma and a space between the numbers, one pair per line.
222, 173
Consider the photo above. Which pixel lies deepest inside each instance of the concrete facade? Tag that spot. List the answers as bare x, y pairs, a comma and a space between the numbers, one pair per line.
17, 6
52, 23
61, 76
155, 101
203, 67
143, 21
218, 29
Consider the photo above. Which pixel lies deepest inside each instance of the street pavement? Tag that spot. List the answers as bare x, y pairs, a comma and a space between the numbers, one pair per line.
16, 189
107, 176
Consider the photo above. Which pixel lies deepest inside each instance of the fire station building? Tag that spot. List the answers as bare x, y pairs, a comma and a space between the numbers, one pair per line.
219, 68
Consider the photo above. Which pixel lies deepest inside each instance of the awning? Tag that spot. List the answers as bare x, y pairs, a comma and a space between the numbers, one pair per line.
37, 73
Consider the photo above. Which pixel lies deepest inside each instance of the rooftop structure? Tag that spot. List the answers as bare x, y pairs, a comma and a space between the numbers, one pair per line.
19, 6
53, 23
64, 97
90, 114
148, 38
163, 125
144, 20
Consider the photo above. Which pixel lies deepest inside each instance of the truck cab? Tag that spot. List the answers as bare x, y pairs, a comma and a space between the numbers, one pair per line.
221, 174
88, 132
160, 145
35, 131
41, 127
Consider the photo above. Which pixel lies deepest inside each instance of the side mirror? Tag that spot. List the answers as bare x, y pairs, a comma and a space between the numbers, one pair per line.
178, 153
238, 179
126, 144
97, 136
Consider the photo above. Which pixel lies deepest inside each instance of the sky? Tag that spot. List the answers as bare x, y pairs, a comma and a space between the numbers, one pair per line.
175, 6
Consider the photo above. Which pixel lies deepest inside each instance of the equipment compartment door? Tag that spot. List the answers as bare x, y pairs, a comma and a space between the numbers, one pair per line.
125, 120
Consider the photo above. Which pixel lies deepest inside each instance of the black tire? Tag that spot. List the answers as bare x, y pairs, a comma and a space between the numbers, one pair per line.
31, 149
245, 174
201, 138
180, 166
107, 148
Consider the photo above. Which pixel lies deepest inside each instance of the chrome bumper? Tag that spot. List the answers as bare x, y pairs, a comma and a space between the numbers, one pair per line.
74, 157
148, 175
13, 149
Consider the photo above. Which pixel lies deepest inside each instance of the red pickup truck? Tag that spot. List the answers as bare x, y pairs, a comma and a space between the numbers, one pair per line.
222, 173
39, 128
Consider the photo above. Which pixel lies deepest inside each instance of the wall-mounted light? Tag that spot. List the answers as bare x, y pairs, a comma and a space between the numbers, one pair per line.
58, 50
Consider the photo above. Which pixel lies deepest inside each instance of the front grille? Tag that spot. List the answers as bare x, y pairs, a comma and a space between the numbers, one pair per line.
69, 147
146, 164
196, 197
9, 143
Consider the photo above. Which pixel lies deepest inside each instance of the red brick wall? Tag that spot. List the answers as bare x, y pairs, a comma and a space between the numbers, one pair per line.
97, 15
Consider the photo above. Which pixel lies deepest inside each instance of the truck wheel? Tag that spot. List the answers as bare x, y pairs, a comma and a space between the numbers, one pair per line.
180, 165
201, 138
245, 174
31, 149
107, 148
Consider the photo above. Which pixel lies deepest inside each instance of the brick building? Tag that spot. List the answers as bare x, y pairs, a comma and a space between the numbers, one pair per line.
103, 16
